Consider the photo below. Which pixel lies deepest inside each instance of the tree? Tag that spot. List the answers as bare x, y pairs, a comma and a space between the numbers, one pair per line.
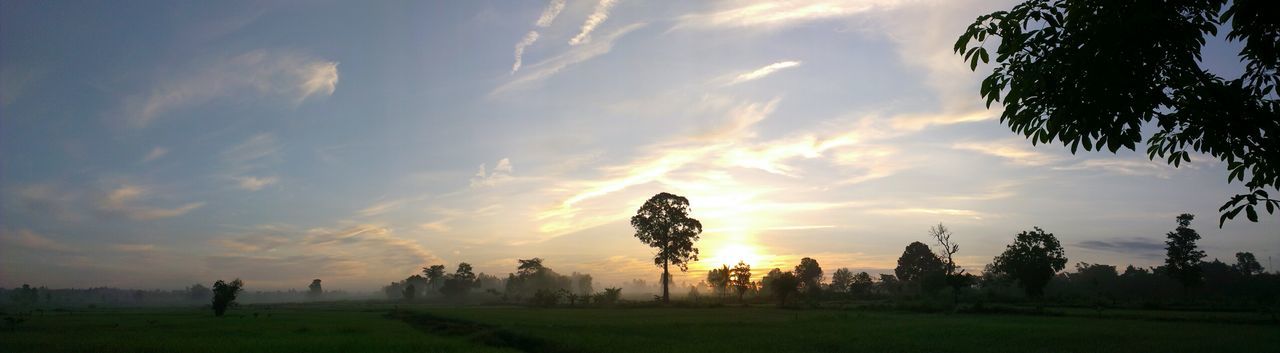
663, 222
842, 280
740, 277
861, 284
719, 279
314, 290
224, 294
409, 292
529, 266
1092, 73
810, 275
1246, 264
434, 274
1032, 260
460, 282
919, 268
1182, 260
955, 276
198, 292
782, 285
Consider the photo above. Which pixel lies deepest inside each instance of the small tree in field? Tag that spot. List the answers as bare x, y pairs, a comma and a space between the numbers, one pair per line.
224, 294
663, 223
841, 280
955, 276
1247, 264
314, 291
1032, 260
719, 279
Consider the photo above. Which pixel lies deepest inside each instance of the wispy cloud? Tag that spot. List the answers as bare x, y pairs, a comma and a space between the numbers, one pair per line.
155, 154
253, 183
776, 14
1124, 167
548, 16
1142, 247
549, 67
762, 72
1016, 150
27, 239
598, 16
499, 174
122, 201
135, 248
291, 76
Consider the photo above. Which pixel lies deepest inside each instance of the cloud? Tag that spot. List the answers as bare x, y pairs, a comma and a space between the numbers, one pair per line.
1142, 247
284, 75
1016, 150
932, 211
381, 207
528, 40
122, 201
49, 199
134, 248
550, 12
762, 72
548, 16
598, 16
1124, 167
501, 173
27, 239
778, 14
252, 183
155, 154
578, 54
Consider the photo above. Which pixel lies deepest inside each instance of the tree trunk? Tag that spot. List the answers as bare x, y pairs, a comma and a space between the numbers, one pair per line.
666, 295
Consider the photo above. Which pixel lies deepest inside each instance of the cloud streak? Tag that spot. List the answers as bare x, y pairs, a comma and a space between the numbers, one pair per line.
598, 16
548, 16
762, 72
549, 67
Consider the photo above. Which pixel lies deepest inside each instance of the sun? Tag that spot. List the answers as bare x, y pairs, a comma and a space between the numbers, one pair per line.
730, 254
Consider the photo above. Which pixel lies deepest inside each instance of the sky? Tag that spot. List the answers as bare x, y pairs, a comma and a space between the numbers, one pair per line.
156, 144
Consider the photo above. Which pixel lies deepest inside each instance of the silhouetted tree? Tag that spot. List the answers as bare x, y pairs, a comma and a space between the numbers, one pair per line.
810, 275
314, 290
582, 282
434, 274
224, 294
919, 268
740, 278
1092, 73
663, 222
842, 280
955, 276
718, 278
1032, 260
460, 282
1182, 260
1247, 264
198, 292
861, 284
409, 292
25, 296
782, 285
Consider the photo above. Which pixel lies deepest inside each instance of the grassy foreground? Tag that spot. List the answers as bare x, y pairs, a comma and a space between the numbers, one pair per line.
383, 328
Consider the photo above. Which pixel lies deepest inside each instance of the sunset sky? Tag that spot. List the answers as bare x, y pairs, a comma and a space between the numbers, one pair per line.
156, 144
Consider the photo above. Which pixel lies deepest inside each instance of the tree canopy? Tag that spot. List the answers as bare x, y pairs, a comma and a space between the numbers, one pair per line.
1032, 260
224, 294
1093, 74
1182, 260
663, 223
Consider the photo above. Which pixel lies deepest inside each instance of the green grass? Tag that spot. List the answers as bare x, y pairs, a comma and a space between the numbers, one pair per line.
359, 327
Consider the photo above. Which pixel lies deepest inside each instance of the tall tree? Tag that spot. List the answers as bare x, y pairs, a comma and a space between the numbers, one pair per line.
1247, 264
1182, 259
1032, 260
919, 268
861, 284
810, 275
955, 276
459, 283
224, 294
1093, 73
434, 275
740, 276
663, 223
841, 280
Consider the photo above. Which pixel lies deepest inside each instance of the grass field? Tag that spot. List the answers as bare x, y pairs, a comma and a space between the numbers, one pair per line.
356, 327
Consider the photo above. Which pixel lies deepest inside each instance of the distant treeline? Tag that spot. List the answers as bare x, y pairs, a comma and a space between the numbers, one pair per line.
197, 294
